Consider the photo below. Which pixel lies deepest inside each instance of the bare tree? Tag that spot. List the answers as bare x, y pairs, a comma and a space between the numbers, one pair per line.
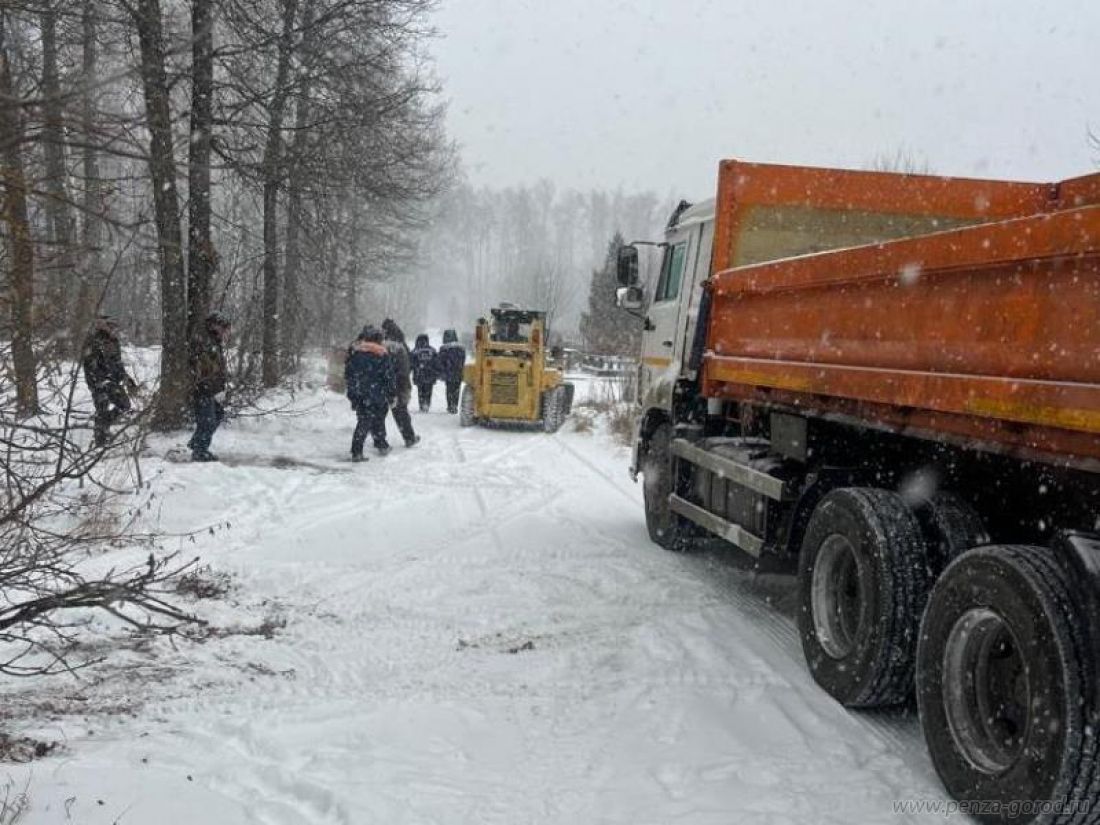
174, 379
13, 175
201, 257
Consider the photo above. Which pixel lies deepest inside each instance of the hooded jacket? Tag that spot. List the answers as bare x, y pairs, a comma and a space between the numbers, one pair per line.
452, 357
425, 369
102, 360
369, 374
399, 352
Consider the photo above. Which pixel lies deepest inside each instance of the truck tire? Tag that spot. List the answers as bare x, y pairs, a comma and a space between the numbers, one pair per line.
1001, 670
467, 408
665, 527
863, 579
951, 527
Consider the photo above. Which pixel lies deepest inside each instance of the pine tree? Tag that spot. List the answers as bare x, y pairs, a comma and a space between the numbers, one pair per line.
607, 329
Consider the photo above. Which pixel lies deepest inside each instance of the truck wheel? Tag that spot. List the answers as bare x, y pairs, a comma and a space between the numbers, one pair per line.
1001, 670
467, 408
665, 527
863, 581
951, 527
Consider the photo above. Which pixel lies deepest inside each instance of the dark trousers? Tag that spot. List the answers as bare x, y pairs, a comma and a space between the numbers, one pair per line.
209, 414
370, 417
453, 388
424, 396
110, 402
400, 410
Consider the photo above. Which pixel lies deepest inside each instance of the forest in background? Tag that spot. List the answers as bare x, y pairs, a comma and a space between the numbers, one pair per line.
283, 161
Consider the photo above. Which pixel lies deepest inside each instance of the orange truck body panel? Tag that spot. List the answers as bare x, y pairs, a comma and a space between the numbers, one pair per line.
987, 331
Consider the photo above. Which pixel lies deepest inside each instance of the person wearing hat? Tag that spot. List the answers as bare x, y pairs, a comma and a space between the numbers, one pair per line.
371, 388
209, 375
106, 376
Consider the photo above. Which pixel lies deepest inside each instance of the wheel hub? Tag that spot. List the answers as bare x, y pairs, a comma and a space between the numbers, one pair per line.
986, 693
837, 596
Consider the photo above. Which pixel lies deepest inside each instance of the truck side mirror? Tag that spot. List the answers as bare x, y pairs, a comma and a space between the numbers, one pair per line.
627, 266
629, 298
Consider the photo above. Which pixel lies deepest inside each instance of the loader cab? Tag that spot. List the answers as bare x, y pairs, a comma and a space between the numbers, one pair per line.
672, 300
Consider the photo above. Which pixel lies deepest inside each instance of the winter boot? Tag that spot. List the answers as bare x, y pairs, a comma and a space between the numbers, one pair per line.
203, 456
383, 449
412, 442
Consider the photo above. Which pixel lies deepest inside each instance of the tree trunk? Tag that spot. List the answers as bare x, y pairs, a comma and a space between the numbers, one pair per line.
92, 230
22, 247
292, 305
272, 170
174, 380
201, 257
59, 217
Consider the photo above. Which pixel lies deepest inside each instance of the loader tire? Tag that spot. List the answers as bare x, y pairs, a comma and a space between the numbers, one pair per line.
863, 579
1003, 665
552, 403
569, 390
467, 407
666, 528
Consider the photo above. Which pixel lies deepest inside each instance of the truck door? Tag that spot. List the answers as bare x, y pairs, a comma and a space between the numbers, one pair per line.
659, 371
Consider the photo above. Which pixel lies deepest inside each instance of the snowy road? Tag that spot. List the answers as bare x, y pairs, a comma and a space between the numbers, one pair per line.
476, 631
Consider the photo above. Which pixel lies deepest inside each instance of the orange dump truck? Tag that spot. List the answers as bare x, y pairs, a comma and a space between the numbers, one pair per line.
891, 382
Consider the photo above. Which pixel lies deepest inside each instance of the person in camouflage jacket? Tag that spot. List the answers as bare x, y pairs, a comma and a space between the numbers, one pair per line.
209, 377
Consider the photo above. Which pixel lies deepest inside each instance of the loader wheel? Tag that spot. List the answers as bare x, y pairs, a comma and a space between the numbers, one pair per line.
1002, 667
863, 580
567, 407
467, 407
666, 528
553, 413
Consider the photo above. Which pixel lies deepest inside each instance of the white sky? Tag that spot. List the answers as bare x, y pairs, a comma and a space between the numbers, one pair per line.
649, 95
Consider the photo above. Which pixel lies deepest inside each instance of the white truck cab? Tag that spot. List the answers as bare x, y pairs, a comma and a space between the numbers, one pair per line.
672, 311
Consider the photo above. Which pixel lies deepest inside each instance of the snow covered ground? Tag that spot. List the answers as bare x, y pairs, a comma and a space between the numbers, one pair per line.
476, 630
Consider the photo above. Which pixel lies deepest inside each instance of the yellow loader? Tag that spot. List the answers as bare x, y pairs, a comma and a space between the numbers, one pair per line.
510, 381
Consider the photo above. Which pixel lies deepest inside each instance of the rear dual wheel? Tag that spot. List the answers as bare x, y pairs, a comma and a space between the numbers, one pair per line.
863, 582
1002, 677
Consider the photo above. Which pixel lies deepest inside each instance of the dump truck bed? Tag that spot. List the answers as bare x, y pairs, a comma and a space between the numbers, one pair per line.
956, 309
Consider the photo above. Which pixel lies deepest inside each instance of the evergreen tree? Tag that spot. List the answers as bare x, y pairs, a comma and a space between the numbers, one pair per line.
605, 328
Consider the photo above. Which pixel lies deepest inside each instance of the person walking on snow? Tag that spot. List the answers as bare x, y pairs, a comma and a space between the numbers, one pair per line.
425, 371
452, 360
106, 376
371, 387
394, 339
209, 375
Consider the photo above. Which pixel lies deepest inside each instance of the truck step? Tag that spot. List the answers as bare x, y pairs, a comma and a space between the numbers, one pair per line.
733, 533
731, 468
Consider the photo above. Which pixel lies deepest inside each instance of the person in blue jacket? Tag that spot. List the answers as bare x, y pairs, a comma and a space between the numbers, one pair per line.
371, 388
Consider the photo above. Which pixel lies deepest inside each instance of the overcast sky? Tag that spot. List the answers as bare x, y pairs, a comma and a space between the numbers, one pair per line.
649, 95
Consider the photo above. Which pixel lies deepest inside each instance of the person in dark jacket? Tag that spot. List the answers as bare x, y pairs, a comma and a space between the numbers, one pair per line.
452, 360
394, 339
371, 387
209, 375
106, 376
425, 371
